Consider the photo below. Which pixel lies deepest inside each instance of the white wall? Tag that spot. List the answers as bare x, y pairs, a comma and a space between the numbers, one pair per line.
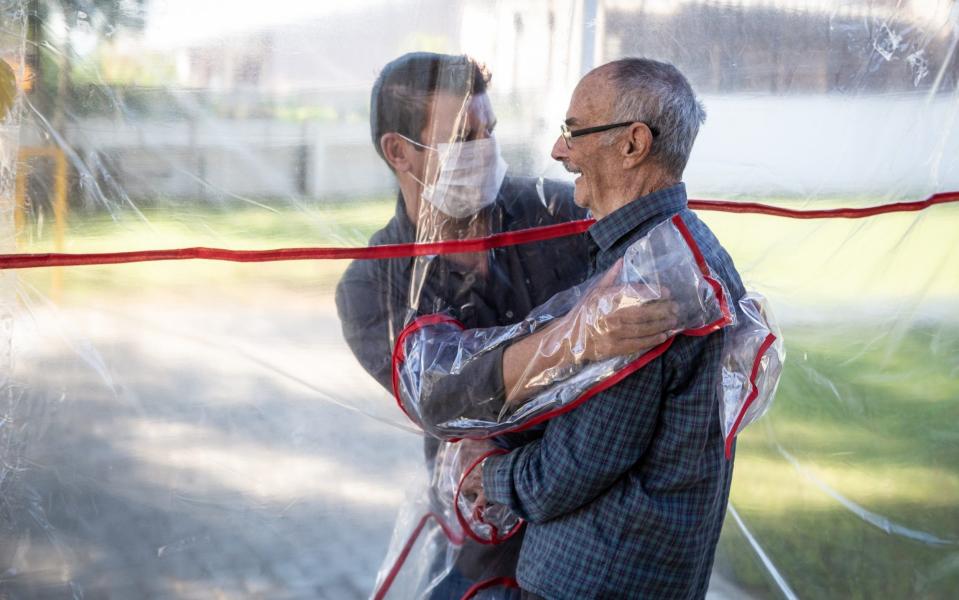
750, 146
827, 145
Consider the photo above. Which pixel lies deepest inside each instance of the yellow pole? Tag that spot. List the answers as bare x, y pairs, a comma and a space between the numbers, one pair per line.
59, 199
21, 197
60, 208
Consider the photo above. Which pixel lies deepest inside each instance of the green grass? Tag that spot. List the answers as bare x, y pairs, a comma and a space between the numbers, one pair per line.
866, 421
871, 416
246, 226
859, 263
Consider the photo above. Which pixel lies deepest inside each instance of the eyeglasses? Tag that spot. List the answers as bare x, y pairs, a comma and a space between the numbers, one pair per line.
568, 135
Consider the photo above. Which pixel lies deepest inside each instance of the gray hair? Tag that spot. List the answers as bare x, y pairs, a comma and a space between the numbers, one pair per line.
657, 94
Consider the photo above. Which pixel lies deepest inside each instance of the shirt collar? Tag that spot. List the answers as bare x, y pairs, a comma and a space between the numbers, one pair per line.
651, 208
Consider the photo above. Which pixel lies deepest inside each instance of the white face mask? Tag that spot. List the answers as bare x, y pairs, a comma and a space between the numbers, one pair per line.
470, 175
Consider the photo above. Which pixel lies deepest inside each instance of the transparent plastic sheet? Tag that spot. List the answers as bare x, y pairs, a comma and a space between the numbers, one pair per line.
172, 428
659, 284
661, 265
458, 485
443, 532
753, 356
855, 447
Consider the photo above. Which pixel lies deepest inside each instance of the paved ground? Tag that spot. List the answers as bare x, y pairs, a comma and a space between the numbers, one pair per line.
194, 453
180, 455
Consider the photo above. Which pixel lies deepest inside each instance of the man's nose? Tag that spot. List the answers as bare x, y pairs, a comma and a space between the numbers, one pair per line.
560, 150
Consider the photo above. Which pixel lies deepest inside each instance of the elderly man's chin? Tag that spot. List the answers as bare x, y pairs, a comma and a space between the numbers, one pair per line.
581, 192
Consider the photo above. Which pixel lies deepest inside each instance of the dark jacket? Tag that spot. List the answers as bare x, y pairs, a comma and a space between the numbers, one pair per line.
376, 299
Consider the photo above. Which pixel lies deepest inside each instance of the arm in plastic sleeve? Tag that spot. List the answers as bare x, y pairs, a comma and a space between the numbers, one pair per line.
752, 362
440, 369
658, 287
373, 311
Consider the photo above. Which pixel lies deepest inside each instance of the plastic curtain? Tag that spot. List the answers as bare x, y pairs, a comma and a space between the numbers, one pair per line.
185, 427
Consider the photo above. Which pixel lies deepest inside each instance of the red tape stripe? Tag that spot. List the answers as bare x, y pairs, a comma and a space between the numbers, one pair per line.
499, 240
727, 316
825, 213
507, 582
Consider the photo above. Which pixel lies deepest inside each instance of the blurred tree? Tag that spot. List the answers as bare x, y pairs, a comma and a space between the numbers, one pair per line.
53, 26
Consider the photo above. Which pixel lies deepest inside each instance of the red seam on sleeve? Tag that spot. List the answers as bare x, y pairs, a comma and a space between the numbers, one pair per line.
507, 582
753, 393
495, 538
399, 353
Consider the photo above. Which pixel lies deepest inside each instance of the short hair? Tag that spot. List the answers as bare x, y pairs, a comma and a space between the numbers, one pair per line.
400, 100
657, 94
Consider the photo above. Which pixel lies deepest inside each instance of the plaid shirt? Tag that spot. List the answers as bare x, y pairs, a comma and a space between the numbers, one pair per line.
625, 495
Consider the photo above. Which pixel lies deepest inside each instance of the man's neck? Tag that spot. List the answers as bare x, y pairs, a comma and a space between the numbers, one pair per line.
633, 189
409, 190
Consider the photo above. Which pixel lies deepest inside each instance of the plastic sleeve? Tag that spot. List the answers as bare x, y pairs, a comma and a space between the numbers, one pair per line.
475, 391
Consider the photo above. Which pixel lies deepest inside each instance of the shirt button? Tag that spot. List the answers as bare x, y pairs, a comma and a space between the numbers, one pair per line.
509, 314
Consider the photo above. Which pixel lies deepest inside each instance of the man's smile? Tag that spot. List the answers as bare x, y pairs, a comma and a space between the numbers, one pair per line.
574, 170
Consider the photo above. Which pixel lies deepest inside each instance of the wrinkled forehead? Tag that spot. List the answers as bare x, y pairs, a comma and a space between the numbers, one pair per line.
592, 100
453, 115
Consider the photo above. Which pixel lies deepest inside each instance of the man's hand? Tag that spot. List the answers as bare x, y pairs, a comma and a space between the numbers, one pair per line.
483, 518
472, 489
614, 319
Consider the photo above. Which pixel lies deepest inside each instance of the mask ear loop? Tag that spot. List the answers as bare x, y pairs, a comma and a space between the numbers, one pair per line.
425, 147
419, 181
415, 143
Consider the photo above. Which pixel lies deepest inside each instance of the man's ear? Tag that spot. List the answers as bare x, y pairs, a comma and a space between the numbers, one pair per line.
636, 146
396, 151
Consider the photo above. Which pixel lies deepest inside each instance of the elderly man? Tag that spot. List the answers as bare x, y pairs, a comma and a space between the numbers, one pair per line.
432, 123
625, 495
